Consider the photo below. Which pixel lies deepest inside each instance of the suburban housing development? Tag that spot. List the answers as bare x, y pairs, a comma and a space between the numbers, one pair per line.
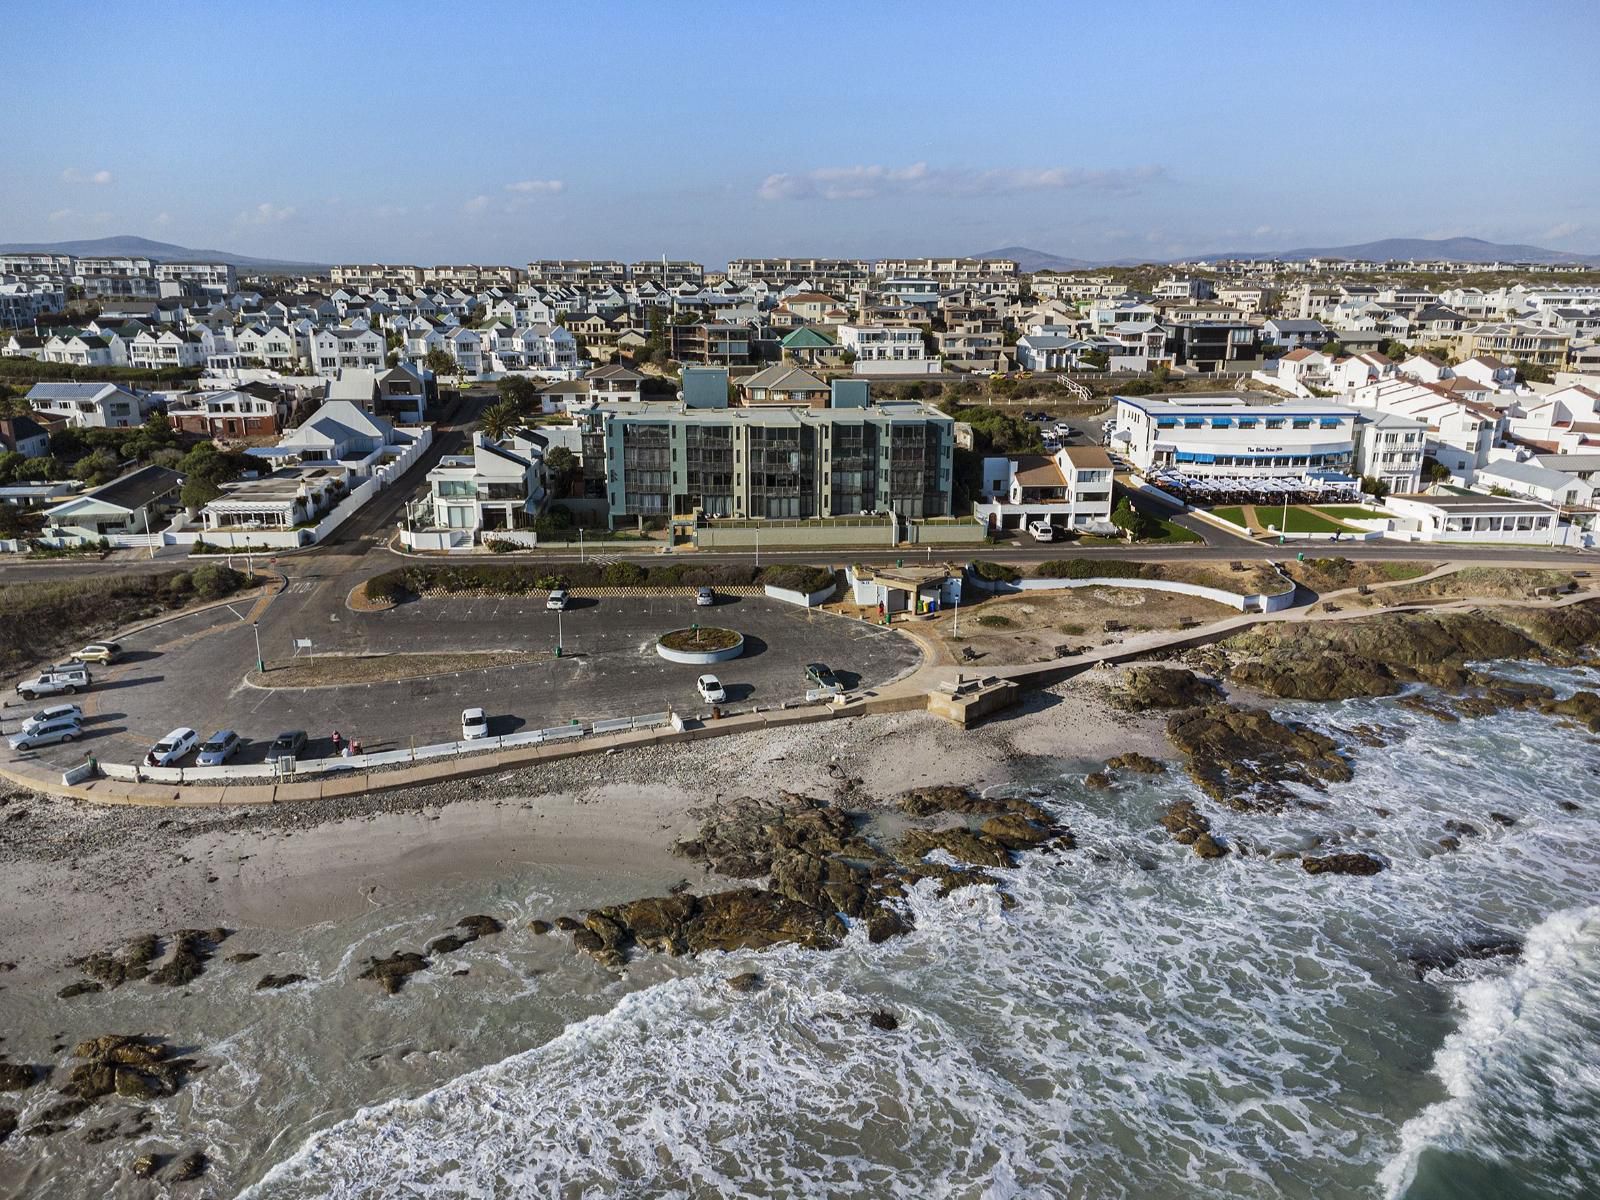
800, 393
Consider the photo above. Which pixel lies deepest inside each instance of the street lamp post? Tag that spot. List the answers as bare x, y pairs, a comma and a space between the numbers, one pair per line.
955, 625
580, 543
560, 640
261, 666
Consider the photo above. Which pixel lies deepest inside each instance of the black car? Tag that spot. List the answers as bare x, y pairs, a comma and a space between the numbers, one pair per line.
819, 676
287, 745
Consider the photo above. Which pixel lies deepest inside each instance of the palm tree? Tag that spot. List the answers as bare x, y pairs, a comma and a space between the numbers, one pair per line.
498, 420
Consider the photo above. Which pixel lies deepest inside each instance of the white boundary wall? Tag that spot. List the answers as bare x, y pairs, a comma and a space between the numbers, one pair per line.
1258, 602
263, 772
801, 598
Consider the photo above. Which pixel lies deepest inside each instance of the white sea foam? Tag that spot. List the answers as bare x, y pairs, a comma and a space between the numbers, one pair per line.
1522, 1069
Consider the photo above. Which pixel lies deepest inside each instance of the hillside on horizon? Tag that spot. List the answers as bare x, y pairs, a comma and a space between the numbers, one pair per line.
129, 245
1460, 249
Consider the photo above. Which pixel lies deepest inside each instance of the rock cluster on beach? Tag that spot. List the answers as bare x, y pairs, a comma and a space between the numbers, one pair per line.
179, 960
1246, 757
818, 871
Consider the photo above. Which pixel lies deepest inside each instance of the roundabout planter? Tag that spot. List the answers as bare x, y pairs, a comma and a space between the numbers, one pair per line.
700, 645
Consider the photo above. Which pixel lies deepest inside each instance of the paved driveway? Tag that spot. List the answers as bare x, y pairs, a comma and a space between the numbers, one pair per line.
190, 672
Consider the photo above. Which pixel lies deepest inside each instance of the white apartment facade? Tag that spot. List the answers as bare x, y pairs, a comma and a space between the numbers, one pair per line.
886, 350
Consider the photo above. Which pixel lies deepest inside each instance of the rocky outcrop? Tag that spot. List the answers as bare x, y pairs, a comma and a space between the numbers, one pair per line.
1446, 955
1379, 655
1149, 687
1139, 764
8, 1123
1246, 758
191, 950
15, 1077
820, 871
1582, 708
391, 973
189, 1166
1190, 826
749, 981
1355, 863
272, 982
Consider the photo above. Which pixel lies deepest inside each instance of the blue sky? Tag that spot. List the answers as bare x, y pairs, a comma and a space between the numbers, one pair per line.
503, 132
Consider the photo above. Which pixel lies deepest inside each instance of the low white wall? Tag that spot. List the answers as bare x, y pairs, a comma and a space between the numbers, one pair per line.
801, 598
701, 658
1251, 603
262, 772
436, 539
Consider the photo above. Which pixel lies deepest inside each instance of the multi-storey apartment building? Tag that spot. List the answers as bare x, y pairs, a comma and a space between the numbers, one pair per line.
841, 276
659, 460
887, 350
210, 276
471, 275
712, 343
949, 272
335, 348
114, 266
372, 275
667, 272
1515, 342
38, 264
576, 272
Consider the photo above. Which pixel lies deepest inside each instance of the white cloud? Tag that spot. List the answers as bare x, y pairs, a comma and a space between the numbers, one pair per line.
73, 175
869, 181
266, 213
538, 186
60, 215
1565, 229
476, 205
163, 220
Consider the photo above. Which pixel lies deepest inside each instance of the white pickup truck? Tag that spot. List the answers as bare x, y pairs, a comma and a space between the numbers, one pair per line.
56, 681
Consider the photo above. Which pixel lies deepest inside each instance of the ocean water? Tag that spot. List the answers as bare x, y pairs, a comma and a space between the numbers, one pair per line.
1141, 1024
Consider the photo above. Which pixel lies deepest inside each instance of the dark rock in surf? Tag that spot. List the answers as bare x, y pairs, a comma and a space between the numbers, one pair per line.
886, 1021
273, 982
391, 973
190, 1166
749, 981
1355, 863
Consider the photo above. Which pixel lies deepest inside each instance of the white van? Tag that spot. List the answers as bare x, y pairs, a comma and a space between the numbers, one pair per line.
1042, 531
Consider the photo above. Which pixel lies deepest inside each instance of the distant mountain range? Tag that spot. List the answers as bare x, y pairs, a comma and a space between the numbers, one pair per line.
139, 247
1455, 249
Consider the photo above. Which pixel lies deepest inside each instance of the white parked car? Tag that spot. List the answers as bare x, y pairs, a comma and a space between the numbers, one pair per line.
557, 600
711, 690
53, 681
62, 729
172, 747
474, 724
55, 712
704, 597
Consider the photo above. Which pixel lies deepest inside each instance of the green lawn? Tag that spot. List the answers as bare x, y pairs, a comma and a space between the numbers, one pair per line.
1352, 512
1231, 513
1301, 520
1172, 533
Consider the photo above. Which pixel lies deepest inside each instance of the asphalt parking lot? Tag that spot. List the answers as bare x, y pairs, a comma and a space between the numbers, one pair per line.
191, 672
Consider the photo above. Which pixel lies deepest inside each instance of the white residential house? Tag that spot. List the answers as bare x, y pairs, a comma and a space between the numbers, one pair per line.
151, 350
1293, 332
1070, 489
616, 383
275, 347
1389, 448
1535, 482
499, 485
338, 347
1461, 432
1488, 370
1227, 437
281, 500
1050, 351
1359, 370
466, 347
340, 432
139, 502
886, 350
96, 405
1306, 367
81, 350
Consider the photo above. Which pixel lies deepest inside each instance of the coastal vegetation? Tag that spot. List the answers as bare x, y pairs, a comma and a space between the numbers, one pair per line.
517, 579
41, 618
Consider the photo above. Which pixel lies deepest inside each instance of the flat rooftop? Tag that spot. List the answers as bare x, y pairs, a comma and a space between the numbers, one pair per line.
1475, 504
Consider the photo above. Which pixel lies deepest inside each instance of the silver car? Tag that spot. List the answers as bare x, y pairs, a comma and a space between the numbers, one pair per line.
219, 748
54, 713
63, 729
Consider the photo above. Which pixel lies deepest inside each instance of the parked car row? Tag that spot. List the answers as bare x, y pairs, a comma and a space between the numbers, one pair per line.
48, 727
217, 749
